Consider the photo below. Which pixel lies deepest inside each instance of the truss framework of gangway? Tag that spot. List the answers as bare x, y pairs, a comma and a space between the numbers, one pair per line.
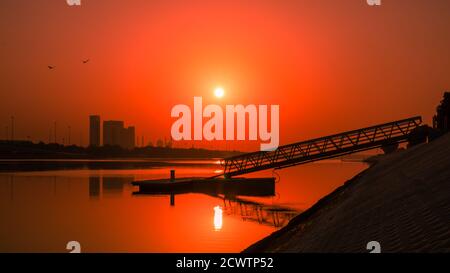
322, 148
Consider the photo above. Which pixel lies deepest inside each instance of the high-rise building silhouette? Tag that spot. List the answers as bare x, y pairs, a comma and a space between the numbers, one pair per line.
112, 130
115, 134
128, 137
94, 130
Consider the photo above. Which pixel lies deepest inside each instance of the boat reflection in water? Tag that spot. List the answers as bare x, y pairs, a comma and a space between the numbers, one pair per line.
234, 193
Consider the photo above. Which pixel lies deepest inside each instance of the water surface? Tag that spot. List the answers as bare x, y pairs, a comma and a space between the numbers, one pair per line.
42, 211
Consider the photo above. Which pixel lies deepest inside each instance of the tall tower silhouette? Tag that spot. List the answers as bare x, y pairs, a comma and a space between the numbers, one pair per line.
94, 130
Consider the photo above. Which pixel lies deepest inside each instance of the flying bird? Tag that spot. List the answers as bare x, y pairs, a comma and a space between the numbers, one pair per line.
51, 67
85, 61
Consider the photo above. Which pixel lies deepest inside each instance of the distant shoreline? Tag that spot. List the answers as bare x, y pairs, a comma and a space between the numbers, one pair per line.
31, 165
30, 150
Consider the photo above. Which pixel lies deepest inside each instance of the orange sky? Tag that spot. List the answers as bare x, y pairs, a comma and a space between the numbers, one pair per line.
330, 65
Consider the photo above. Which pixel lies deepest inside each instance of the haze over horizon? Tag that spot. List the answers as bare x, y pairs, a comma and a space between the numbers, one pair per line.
332, 66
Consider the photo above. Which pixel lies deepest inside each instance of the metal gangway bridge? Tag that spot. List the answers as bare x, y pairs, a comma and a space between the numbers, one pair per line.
322, 148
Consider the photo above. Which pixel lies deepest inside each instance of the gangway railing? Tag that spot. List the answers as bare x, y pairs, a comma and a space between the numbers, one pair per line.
322, 148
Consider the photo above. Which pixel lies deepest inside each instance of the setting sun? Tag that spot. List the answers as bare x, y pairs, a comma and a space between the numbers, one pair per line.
219, 92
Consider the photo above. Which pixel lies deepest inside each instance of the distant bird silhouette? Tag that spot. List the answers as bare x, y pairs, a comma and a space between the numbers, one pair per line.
85, 61
51, 67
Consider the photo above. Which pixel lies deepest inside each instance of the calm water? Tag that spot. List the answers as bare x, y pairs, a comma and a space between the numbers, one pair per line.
42, 211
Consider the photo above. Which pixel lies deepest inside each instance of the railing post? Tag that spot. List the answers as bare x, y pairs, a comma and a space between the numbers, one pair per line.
172, 175
172, 196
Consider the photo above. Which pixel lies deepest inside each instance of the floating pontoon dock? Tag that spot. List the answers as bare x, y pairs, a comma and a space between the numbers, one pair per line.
226, 186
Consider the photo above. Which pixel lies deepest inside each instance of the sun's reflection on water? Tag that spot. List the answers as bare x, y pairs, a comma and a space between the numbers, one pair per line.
217, 218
